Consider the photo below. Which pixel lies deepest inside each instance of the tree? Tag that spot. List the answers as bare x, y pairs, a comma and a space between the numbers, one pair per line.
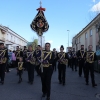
35, 43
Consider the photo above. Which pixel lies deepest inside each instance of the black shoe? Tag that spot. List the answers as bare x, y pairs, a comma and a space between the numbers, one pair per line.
60, 82
94, 85
87, 83
44, 94
2, 82
28, 82
63, 84
79, 75
48, 98
19, 81
31, 83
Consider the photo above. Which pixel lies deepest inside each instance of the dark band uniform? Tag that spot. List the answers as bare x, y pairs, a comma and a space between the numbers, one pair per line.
38, 58
20, 70
90, 58
3, 60
47, 71
24, 56
30, 58
18, 54
55, 60
62, 61
74, 60
81, 59
69, 55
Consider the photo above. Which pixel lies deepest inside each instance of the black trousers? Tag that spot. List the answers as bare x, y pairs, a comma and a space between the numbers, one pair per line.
2, 71
70, 63
30, 69
74, 62
54, 65
20, 72
90, 68
25, 63
61, 72
37, 69
46, 80
81, 67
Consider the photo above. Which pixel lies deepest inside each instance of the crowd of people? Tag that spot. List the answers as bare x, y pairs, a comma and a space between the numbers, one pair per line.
45, 62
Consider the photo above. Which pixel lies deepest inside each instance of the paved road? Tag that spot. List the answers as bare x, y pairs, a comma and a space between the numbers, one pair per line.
75, 88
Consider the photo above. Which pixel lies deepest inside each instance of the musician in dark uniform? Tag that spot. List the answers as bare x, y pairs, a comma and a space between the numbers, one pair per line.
38, 58
20, 69
81, 60
90, 58
46, 70
74, 60
69, 54
18, 54
55, 59
24, 55
30, 58
62, 61
3, 60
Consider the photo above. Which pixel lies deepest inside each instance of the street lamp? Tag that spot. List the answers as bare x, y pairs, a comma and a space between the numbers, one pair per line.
68, 37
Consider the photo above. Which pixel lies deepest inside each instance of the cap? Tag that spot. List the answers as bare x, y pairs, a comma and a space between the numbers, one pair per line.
1, 42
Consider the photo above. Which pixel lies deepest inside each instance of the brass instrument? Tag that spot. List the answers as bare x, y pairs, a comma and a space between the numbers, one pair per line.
32, 61
88, 57
64, 61
2, 58
20, 65
43, 58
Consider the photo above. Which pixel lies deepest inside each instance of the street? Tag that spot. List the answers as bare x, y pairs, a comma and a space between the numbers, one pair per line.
75, 88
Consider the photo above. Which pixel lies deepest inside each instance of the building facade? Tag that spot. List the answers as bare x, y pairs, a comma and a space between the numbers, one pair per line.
11, 39
88, 36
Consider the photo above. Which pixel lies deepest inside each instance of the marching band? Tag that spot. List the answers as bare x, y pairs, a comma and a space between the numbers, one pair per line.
45, 61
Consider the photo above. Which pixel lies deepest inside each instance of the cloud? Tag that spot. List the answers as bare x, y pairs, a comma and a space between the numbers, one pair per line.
50, 41
96, 7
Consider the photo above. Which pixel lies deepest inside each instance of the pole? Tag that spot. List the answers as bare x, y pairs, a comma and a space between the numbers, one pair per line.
68, 38
41, 41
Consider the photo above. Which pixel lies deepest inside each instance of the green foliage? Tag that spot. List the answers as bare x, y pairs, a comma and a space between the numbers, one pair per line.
35, 43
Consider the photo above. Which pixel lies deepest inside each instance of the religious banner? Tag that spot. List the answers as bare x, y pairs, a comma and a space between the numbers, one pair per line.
39, 23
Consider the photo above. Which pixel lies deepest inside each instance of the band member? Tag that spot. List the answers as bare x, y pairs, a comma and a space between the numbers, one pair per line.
81, 59
69, 54
55, 59
3, 60
38, 58
46, 70
30, 58
62, 61
20, 69
74, 60
18, 54
90, 58
24, 54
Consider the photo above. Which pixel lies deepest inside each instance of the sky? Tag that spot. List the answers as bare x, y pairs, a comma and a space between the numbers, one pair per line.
62, 15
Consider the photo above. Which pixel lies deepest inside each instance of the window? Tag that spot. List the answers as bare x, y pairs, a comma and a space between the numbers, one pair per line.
90, 32
85, 35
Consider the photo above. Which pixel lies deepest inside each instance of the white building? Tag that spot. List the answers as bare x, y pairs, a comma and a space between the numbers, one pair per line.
41, 41
11, 39
88, 36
